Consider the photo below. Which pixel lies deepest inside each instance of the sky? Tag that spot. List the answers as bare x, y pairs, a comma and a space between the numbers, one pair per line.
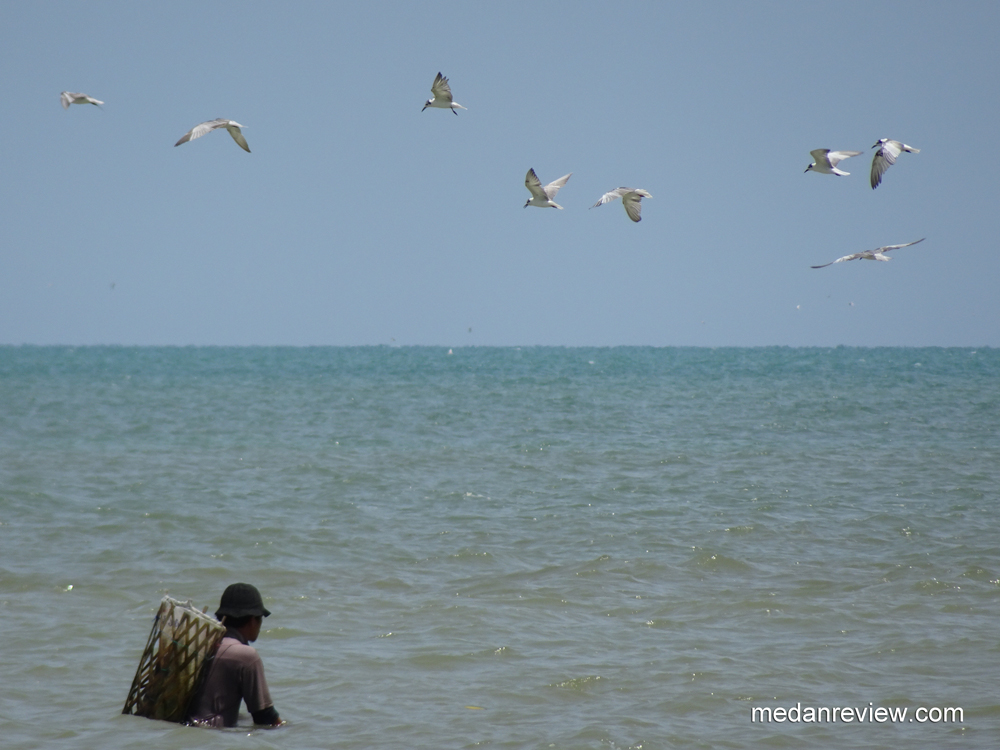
358, 219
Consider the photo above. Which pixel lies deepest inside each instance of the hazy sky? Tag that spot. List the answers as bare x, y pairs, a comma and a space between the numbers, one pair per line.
359, 219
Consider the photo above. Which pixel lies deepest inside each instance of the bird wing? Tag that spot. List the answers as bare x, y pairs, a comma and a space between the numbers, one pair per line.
553, 187
819, 154
440, 88
534, 185
632, 202
885, 157
237, 135
199, 130
66, 98
610, 196
892, 149
836, 157
853, 256
882, 161
888, 248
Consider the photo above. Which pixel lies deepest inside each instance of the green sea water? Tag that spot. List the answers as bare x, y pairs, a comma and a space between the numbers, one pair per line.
510, 548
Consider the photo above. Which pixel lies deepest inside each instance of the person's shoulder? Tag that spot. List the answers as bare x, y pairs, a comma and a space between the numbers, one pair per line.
233, 649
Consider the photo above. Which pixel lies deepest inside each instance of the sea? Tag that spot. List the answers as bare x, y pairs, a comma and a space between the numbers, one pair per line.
512, 547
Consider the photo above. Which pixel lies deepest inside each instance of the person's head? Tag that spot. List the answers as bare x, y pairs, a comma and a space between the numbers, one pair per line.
248, 625
243, 609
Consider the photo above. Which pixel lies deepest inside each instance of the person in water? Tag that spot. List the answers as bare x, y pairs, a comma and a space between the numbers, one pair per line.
236, 673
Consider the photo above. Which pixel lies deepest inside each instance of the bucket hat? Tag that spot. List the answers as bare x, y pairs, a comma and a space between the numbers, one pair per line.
240, 600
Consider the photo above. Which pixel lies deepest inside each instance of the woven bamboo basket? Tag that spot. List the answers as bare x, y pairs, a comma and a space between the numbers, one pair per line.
172, 667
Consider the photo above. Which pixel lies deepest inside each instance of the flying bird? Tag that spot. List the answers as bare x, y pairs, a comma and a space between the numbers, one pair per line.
885, 157
542, 196
206, 127
69, 97
630, 199
442, 96
827, 161
879, 253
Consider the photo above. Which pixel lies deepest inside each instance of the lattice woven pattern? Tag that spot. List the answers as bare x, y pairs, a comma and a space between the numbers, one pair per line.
180, 644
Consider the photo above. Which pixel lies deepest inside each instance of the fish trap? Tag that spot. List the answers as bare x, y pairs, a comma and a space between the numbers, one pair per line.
179, 650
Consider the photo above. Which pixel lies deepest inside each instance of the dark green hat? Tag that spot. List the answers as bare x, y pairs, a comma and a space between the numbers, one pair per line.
240, 600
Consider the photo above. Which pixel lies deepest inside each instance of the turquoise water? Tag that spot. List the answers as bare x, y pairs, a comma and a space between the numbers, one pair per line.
591, 548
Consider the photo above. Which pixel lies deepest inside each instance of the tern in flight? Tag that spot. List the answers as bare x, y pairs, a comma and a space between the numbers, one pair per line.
542, 196
885, 157
879, 253
69, 97
207, 127
630, 199
827, 161
442, 96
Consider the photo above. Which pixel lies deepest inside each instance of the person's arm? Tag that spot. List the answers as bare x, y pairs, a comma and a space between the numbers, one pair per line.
253, 685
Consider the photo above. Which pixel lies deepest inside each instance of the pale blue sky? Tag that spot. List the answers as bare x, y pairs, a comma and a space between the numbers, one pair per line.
359, 219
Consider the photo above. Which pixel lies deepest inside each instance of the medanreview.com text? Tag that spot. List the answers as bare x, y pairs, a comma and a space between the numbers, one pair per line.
799, 714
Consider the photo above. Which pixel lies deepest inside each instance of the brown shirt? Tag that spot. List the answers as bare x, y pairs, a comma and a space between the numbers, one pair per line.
236, 674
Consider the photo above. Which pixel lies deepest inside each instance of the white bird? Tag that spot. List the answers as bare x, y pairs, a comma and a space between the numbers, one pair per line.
542, 196
885, 157
69, 97
879, 253
206, 127
631, 198
442, 95
827, 161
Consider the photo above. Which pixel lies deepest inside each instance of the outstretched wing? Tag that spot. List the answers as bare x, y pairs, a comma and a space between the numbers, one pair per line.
888, 248
199, 130
819, 154
836, 157
66, 98
237, 135
854, 256
885, 157
534, 185
553, 187
633, 205
440, 88
610, 196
